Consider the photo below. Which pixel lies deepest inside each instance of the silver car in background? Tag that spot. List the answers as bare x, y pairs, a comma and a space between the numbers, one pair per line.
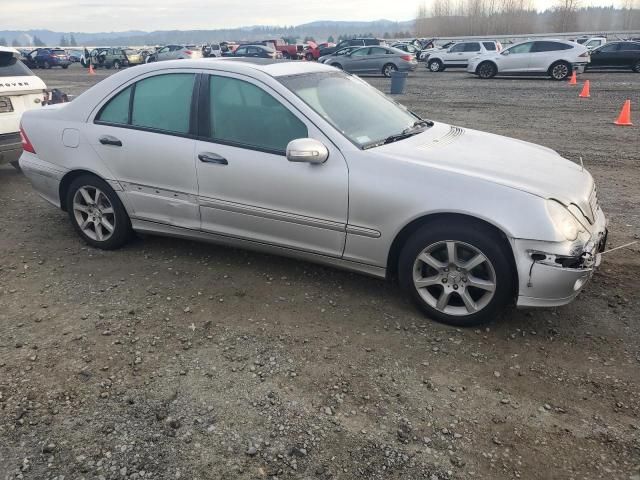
176, 52
374, 60
301, 159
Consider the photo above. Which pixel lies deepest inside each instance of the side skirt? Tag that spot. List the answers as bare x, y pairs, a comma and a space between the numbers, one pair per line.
145, 226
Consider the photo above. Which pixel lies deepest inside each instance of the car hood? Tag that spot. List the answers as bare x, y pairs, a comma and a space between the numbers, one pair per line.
502, 160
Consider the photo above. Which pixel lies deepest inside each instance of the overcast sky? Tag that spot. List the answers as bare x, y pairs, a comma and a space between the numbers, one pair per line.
148, 15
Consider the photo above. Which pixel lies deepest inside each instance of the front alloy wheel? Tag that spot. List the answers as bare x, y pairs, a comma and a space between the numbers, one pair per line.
454, 277
457, 272
389, 69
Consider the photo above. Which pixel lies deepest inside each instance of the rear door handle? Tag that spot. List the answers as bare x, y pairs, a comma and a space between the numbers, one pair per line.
109, 140
212, 158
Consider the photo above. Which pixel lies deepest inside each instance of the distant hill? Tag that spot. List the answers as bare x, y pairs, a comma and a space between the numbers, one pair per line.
319, 30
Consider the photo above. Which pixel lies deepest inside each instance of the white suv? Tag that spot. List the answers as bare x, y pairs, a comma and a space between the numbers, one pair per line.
459, 54
554, 58
20, 90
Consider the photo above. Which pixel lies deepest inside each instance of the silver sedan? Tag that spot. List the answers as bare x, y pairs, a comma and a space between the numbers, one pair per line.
374, 60
300, 159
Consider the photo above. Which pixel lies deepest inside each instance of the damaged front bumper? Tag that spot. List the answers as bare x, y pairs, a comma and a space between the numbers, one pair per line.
553, 274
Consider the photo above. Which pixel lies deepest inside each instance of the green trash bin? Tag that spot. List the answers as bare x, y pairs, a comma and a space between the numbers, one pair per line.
398, 82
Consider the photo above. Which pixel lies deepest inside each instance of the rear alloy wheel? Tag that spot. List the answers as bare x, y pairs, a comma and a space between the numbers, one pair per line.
116, 65
46, 65
97, 213
487, 70
560, 70
309, 57
636, 67
388, 69
457, 275
435, 66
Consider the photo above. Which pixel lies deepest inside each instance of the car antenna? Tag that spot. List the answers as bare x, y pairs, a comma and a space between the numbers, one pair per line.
582, 164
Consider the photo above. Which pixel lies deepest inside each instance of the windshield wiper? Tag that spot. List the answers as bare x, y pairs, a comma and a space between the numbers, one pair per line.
417, 127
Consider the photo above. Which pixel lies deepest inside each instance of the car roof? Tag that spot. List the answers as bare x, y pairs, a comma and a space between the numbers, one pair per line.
9, 50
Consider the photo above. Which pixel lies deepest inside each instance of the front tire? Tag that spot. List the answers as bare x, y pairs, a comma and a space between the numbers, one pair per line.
486, 70
97, 214
457, 273
388, 69
116, 65
309, 57
435, 66
46, 65
560, 71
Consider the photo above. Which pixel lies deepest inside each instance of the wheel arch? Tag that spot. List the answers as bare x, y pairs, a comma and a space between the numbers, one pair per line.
557, 61
487, 61
69, 177
409, 229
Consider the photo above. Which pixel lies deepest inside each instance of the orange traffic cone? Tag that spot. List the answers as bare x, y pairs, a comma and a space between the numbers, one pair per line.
625, 115
573, 79
91, 70
585, 90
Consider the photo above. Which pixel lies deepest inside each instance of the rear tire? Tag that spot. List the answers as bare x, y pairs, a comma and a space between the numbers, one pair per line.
486, 70
636, 67
560, 71
388, 69
435, 66
97, 214
309, 57
46, 65
457, 273
64, 67
116, 65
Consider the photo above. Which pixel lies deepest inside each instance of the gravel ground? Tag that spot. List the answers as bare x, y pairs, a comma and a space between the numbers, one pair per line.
174, 359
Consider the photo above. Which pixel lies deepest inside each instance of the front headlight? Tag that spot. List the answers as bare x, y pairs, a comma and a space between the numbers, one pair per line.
564, 221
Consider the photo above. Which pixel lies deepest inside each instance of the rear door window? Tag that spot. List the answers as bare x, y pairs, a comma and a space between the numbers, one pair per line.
162, 103
378, 51
472, 47
545, 46
630, 47
489, 46
522, 48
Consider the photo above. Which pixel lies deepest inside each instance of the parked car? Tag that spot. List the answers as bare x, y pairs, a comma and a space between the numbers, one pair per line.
459, 54
175, 52
48, 58
374, 60
409, 48
122, 57
593, 42
455, 213
211, 50
74, 55
20, 90
617, 55
555, 58
95, 57
256, 51
351, 42
432, 47
312, 50
337, 53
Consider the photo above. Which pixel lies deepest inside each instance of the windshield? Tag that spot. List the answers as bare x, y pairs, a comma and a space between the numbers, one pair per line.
10, 66
359, 111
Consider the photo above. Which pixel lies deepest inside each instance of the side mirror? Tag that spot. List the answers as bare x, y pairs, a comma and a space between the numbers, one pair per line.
504, 52
307, 150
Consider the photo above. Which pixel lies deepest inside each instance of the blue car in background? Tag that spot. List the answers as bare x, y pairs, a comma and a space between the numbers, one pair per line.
47, 58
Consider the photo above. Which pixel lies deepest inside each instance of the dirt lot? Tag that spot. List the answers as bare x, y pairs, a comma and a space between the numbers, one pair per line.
173, 359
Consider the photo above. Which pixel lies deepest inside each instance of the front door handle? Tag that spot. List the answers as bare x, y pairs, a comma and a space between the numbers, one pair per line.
212, 158
109, 140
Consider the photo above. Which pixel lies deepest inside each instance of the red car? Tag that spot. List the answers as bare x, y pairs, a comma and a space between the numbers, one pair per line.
312, 50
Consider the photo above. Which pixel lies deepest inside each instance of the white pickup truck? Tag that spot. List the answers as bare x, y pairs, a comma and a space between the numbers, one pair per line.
20, 90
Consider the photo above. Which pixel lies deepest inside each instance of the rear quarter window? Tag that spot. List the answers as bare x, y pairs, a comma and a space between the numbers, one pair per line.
489, 45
